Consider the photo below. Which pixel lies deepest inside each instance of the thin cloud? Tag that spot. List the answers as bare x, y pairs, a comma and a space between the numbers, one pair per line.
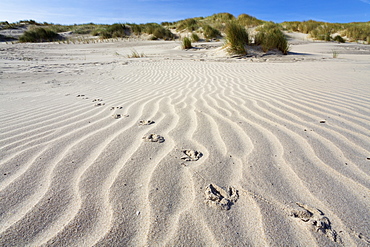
365, 1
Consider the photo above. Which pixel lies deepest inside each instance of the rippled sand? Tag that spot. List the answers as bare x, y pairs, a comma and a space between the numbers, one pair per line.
269, 151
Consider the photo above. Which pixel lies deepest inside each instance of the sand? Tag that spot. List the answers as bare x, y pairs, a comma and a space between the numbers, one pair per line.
184, 148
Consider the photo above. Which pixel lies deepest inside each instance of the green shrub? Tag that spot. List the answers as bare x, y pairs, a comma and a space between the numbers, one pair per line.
194, 37
210, 32
339, 39
237, 38
39, 35
186, 43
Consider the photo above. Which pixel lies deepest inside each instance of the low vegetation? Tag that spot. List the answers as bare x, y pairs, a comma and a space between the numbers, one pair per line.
216, 26
339, 39
270, 37
157, 31
39, 35
135, 54
187, 25
194, 37
249, 21
210, 32
335, 54
186, 43
329, 31
237, 38
113, 31
6, 38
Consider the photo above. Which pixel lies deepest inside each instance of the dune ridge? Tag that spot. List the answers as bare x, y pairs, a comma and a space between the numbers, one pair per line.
291, 137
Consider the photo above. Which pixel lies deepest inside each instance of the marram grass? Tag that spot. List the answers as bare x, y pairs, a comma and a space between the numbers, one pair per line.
186, 43
236, 39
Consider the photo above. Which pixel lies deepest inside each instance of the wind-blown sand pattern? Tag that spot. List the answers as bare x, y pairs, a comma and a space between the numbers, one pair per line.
290, 135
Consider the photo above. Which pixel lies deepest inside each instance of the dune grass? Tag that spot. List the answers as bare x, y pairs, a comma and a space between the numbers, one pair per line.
157, 31
324, 30
39, 35
212, 27
194, 37
135, 54
210, 32
6, 38
248, 21
335, 53
186, 43
339, 39
270, 37
188, 24
358, 31
237, 38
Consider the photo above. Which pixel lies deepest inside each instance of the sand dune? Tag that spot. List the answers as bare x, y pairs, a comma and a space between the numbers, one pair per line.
262, 151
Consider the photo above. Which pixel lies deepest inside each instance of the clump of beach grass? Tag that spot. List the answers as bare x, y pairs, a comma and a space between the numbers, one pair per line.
339, 39
271, 37
135, 54
236, 39
39, 35
194, 37
335, 53
189, 24
210, 32
248, 21
186, 43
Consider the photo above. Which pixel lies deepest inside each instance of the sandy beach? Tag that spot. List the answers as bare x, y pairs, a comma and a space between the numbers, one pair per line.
184, 147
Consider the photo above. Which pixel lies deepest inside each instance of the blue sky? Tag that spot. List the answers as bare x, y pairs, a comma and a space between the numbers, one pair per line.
144, 11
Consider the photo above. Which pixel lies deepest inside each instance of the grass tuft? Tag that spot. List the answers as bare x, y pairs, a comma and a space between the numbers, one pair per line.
186, 43
271, 37
188, 24
210, 32
339, 39
248, 21
135, 54
194, 37
39, 35
335, 54
236, 38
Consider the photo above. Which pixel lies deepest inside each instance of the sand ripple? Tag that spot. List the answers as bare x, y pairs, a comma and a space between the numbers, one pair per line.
71, 175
